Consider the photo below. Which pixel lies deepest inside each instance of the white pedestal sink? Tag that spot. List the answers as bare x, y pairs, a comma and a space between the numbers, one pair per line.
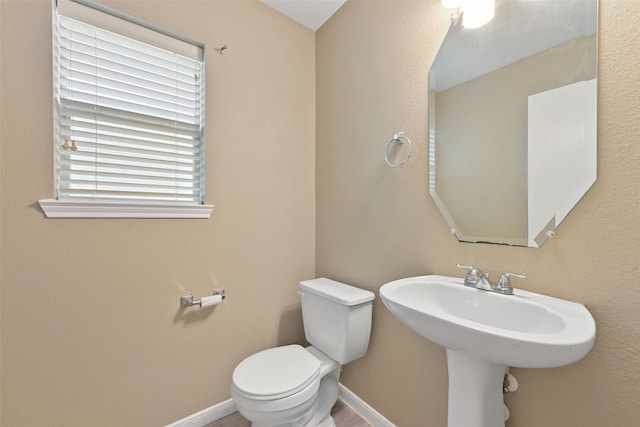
484, 332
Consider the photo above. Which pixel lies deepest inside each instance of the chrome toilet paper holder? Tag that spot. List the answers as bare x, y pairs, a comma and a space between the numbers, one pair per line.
187, 300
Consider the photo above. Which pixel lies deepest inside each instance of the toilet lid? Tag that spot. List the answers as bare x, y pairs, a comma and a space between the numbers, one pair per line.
276, 372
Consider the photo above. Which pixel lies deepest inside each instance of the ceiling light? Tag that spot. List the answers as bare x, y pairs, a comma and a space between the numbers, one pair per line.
476, 13
451, 4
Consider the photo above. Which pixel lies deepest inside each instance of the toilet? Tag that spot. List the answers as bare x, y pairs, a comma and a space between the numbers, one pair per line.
294, 386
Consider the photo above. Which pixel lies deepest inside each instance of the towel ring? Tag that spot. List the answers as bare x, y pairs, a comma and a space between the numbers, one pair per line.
398, 137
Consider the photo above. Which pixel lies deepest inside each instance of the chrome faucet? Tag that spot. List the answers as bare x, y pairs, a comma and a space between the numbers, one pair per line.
479, 280
476, 278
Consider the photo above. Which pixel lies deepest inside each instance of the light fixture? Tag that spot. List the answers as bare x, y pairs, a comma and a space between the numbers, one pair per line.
475, 13
451, 4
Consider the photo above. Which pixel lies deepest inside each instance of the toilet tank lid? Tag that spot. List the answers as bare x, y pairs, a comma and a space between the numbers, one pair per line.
337, 291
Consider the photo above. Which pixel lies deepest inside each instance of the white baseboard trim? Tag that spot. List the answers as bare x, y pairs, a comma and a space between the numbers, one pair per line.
207, 416
373, 417
227, 407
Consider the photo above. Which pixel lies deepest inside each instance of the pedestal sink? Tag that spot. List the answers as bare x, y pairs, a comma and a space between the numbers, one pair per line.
484, 332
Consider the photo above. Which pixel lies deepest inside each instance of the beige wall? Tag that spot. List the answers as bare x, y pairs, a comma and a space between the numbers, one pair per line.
92, 332
376, 223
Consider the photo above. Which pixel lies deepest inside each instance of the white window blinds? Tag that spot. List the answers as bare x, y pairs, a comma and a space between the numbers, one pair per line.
129, 118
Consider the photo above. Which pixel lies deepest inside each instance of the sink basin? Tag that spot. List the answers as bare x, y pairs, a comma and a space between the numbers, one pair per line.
525, 330
484, 332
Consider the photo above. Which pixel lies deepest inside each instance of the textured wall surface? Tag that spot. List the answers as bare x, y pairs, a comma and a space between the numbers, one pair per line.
92, 332
376, 223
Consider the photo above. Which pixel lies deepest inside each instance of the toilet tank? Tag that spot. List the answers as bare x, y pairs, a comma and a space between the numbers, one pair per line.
337, 318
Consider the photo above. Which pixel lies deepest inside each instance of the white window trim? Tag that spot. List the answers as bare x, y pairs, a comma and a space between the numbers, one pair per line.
77, 209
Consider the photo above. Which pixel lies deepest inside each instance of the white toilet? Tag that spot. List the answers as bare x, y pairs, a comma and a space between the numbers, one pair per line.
293, 386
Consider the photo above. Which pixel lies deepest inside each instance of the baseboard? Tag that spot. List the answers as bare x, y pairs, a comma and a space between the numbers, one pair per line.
207, 416
222, 409
373, 417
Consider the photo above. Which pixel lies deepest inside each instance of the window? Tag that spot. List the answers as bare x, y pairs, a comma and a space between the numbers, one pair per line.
129, 120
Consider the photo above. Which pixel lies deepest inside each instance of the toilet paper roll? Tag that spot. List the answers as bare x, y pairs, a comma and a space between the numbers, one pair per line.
210, 301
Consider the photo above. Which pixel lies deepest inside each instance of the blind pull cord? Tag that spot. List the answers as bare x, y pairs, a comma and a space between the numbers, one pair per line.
73, 145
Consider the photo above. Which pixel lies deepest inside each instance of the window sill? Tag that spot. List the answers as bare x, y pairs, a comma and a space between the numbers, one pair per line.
75, 209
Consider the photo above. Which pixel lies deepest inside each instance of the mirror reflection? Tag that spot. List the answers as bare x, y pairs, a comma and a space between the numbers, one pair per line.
513, 117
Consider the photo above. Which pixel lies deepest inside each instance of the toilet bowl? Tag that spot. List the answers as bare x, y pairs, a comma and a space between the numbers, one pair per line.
293, 386
285, 386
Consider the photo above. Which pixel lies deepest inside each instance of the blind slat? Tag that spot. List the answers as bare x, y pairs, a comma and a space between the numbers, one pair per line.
134, 107
89, 111
116, 181
128, 169
124, 173
112, 134
176, 164
125, 65
109, 80
128, 195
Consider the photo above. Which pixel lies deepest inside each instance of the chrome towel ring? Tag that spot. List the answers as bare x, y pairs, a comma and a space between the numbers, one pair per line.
398, 138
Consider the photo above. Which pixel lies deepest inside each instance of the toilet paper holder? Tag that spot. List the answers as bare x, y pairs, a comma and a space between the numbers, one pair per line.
187, 300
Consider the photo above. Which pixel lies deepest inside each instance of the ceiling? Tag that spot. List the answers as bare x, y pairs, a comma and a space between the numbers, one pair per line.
310, 13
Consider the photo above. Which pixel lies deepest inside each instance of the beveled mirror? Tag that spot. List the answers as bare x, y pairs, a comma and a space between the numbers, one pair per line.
513, 120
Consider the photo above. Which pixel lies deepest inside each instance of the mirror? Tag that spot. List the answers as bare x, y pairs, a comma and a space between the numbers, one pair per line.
513, 120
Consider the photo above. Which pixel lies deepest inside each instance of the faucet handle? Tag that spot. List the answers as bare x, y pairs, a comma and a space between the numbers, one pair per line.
473, 275
472, 271
504, 284
468, 267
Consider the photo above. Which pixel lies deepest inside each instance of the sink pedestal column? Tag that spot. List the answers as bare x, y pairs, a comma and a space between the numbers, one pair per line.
475, 391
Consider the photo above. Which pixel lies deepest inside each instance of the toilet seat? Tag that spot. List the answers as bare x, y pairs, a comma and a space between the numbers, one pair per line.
276, 373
